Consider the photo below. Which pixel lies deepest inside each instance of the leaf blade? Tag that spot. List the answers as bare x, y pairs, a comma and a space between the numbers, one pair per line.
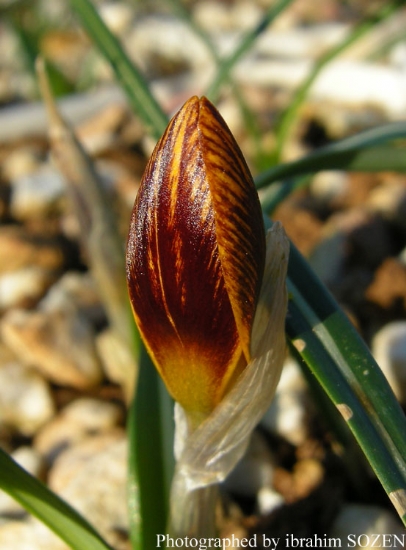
53, 511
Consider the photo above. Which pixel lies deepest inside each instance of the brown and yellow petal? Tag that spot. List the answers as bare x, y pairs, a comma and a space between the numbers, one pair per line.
194, 266
239, 226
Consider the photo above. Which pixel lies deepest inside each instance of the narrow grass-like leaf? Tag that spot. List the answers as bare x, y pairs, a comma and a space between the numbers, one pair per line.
356, 153
100, 238
385, 157
38, 500
148, 474
29, 37
341, 361
290, 115
250, 123
358, 417
353, 458
130, 78
349, 351
224, 71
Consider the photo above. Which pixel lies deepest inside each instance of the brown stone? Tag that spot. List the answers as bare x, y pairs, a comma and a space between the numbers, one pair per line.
388, 285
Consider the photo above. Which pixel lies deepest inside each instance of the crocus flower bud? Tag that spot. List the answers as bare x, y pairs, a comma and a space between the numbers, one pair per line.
195, 258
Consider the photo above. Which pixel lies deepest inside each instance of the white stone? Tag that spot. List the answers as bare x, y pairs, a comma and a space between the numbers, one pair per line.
19, 250
119, 364
390, 201
100, 464
389, 349
19, 163
25, 398
34, 195
329, 185
219, 18
397, 56
380, 35
117, 16
364, 521
93, 414
307, 42
58, 341
268, 500
28, 283
167, 37
92, 477
214, 17
29, 534
287, 413
30, 119
78, 289
82, 417
371, 85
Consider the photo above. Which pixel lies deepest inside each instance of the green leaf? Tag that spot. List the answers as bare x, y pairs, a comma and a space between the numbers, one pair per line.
224, 70
356, 153
344, 366
374, 159
150, 433
133, 83
250, 122
288, 118
37, 499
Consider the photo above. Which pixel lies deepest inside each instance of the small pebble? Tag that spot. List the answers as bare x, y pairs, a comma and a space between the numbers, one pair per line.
82, 417
362, 523
20, 162
80, 290
156, 41
26, 402
398, 56
219, 18
268, 500
389, 350
390, 201
24, 286
58, 343
378, 86
117, 16
29, 534
388, 287
21, 249
287, 413
326, 186
37, 194
57, 338
99, 463
118, 364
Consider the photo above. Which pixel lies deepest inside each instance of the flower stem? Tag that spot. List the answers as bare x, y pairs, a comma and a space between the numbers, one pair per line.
192, 510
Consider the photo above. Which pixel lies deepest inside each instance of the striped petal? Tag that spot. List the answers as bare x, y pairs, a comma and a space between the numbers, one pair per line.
193, 265
240, 231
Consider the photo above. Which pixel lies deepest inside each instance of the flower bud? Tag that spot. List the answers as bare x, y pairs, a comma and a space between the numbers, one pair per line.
195, 258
